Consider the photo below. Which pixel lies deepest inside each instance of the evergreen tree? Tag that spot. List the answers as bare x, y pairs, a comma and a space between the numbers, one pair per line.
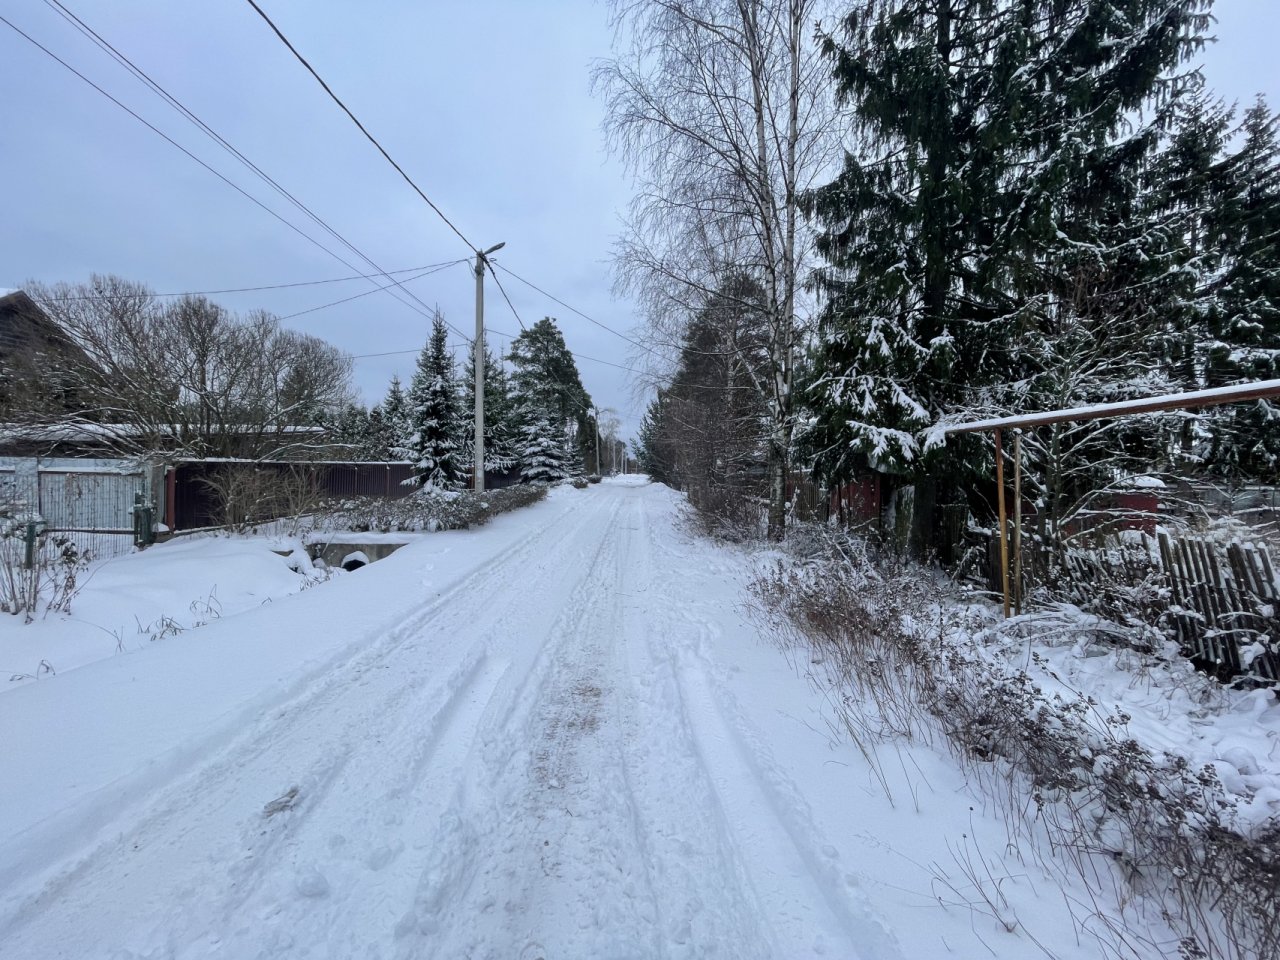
378, 440
1244, 339
546, 383
433, 413
395, 415
545, 375
575, 462
993, 196
500, 425
349, 430
707, 433
650, 457
542, 452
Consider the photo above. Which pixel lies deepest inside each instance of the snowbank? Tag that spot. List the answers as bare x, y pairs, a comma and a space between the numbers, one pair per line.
128, 603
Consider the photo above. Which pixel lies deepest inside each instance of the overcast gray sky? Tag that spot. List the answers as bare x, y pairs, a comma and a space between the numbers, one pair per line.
486, 103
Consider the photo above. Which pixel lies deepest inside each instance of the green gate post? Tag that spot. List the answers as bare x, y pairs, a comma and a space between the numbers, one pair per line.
144, 533
30, 558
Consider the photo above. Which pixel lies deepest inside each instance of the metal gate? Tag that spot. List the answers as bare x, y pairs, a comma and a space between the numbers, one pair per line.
90, 501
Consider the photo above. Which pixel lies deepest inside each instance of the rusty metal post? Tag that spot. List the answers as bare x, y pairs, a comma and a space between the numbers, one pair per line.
1004, 523
1017, 521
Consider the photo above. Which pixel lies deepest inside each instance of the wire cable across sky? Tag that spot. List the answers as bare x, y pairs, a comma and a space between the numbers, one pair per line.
333, 96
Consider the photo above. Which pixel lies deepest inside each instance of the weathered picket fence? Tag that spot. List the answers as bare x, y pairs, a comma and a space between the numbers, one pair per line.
1219, 601
1226, 604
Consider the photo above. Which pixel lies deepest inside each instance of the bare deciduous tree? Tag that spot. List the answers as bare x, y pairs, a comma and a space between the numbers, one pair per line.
186, 376
723, 110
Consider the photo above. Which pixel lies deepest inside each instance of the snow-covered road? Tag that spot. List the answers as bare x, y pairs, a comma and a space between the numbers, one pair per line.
543, 759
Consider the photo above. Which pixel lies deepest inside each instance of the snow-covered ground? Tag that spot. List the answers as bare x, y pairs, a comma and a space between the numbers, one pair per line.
557, 736
130, 602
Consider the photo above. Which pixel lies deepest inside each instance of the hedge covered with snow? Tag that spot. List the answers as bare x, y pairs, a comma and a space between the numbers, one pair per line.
425, 510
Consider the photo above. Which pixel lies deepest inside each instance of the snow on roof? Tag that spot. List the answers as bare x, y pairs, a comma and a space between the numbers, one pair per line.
1213, 396
1147, 482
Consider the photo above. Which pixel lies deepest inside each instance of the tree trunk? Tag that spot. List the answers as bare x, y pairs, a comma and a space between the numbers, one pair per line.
777, 491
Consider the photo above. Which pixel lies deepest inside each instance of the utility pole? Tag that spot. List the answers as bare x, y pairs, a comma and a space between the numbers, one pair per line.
597, 413
479, 357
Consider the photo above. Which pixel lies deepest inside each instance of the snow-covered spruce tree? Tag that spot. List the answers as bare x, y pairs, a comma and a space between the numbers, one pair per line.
997, 168
349, 432
546, 384
433, 413
651, 458
575, 463
542, 451
1244, 333
395, 415
545, 376
500, 424
374, 444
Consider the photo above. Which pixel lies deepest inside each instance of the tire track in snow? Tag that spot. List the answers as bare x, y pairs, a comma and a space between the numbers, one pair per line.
703, 899
810, 907
378, 681
498, 887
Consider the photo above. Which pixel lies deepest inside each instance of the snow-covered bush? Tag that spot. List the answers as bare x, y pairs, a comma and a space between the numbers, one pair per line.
906, 661
426, 509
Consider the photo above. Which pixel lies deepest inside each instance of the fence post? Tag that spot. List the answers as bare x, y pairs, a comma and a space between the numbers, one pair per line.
143, 521
1004, 537
29, 558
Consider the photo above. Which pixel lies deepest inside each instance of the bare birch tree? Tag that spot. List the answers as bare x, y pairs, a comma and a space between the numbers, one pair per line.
722, 108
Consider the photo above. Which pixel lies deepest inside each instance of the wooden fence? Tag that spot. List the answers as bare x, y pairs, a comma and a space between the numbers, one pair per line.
1221, 602
1226, 604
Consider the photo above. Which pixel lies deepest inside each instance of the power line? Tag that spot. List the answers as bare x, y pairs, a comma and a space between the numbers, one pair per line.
511, 306
579, 356
325, 306
603, 326
162, 134
141, 75
310, 69
574, 309
333, 96
276, 286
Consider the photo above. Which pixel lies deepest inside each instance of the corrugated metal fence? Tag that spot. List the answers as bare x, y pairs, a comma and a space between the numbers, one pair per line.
199, 491
91, 501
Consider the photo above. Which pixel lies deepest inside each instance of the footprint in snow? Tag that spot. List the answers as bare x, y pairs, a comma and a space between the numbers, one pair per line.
311, 883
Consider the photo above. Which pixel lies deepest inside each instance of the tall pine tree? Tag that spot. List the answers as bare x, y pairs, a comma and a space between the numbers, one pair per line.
395, 415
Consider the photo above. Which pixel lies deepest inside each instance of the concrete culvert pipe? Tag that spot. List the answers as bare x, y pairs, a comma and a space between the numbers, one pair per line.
354, 561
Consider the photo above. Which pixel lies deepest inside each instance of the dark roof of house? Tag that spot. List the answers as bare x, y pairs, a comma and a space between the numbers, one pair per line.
24, 326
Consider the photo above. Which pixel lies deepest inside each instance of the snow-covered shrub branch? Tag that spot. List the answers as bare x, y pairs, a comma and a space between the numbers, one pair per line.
903, 661
35, 575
